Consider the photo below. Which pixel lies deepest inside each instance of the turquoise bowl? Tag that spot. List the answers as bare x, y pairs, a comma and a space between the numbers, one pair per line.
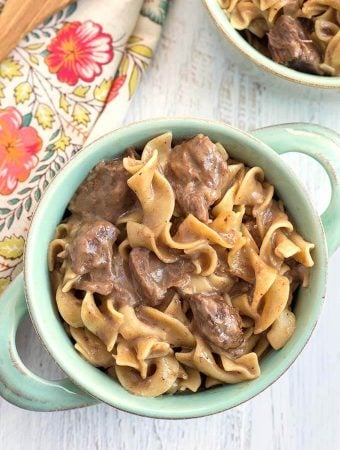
258, 64
87, 385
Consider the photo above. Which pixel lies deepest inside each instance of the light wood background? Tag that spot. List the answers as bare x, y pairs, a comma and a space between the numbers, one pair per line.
192, 75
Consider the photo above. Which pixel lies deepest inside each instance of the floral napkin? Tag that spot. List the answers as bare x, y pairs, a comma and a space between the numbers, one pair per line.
68, 82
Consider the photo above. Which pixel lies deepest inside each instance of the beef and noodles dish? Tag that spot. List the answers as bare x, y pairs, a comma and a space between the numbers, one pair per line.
301, 34
176, 268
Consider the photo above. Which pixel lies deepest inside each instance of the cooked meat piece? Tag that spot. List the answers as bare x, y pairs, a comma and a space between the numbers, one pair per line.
197, 174
104, 194
216, 320
297, 275
251, 225
290, 45
90, 253
152, 277
260, 44
266, 217
241, 287
123, 291
132, 153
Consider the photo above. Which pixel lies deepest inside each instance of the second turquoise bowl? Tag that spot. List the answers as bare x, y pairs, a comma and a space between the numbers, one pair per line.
246, 53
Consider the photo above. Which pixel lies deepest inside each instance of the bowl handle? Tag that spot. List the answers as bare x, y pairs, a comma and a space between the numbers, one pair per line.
18, 384
323, 145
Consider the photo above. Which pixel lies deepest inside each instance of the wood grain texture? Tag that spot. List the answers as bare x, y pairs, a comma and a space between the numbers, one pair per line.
192, 75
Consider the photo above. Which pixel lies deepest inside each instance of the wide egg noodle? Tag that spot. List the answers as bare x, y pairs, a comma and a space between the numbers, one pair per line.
154, 193
282, 329
176, 332
232, 371
162, 144
103, 321
91, 348
69, 307
205, 259
243, 13
175, 309
56, 247
126, 356
164, 375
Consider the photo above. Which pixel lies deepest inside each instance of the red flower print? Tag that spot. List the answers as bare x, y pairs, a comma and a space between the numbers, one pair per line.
115, 87
79, 51
18, 147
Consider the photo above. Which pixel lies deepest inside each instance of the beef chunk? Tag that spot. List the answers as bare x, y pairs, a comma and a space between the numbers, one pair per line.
290, 45
104, 194
131, 152
216, 320
241, 287
298, 274
90, 253
197, 174
153, 278
123, 291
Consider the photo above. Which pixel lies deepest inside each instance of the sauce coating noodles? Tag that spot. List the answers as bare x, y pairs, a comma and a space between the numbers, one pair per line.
176, 268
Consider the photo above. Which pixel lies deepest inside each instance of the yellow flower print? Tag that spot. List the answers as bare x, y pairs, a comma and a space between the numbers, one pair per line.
44, 116
81, 115
81, 91
138, 55
2, 86
9, 68
62, 143
63, 103
101, 91
22, 92
12, 247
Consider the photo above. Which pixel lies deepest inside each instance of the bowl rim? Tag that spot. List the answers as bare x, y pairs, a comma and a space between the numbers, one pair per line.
234, 38
30, 286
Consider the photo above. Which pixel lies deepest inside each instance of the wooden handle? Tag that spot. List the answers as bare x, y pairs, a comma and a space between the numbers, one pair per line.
18, 17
